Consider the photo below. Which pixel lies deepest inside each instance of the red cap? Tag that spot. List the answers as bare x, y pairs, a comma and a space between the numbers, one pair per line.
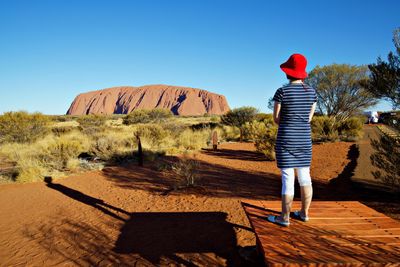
295, 66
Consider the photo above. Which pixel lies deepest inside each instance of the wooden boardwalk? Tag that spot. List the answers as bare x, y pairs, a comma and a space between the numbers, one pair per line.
344, 233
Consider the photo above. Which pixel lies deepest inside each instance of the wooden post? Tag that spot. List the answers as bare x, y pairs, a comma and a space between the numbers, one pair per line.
214, 139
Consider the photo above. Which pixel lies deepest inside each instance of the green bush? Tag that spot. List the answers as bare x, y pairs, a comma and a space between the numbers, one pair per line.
263, 133
146, 116
324, 129
22, 127
238, 117
350, 129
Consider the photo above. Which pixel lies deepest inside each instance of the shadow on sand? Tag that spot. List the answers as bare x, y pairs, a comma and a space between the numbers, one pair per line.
213, 180
164, 234
150, 238
235, 154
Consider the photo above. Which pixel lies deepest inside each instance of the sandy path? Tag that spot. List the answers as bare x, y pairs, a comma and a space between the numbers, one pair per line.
121, 216
364, 169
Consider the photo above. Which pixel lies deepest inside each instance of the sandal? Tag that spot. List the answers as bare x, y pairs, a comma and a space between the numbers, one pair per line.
297, 215
278, 220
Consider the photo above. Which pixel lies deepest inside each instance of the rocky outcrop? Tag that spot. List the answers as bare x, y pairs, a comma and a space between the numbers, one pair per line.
123, 100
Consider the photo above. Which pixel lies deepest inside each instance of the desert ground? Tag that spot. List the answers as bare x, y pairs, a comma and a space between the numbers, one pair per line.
132, 216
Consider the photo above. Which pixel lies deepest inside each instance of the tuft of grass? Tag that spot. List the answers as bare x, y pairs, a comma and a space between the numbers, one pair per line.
186, 171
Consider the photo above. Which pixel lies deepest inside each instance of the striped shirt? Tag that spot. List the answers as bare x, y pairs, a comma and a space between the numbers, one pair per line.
293, 144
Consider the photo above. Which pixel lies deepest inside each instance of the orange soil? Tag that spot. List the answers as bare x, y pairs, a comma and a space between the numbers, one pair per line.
126, 215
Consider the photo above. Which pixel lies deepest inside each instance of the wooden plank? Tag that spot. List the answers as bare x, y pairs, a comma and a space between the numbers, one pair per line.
339, 233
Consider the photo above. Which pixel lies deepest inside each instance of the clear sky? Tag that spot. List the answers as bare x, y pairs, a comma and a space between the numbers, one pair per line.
50, 51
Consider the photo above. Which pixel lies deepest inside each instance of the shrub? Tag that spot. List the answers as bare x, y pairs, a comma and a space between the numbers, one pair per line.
63, 118
229, 133
351, 128
60, 152
61, 130
204, 125
215, 118
50, 156
152, 134
146, 116
108, 147
324, 129
238, 117
263, 116
186, 170
175, 128
29, 174
193, 140
91, 124
387, 158
159, 115
22, 127
263, 133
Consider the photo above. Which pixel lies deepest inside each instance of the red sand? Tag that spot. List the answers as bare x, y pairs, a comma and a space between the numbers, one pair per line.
124, 216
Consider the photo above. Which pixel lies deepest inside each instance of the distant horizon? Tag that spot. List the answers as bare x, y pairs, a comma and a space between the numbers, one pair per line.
54, 50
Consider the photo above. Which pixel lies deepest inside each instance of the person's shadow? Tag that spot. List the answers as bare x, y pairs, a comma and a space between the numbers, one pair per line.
157, 235
88, 200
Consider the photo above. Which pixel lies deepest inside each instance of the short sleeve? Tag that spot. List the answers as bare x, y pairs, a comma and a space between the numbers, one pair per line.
315, 96
278, 95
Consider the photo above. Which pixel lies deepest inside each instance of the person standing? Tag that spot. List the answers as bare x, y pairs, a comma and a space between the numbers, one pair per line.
294, 108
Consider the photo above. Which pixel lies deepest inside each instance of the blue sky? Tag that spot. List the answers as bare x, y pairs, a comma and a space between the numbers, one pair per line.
50, 51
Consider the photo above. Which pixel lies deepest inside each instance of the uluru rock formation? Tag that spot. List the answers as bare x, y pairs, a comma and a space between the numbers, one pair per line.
123, 100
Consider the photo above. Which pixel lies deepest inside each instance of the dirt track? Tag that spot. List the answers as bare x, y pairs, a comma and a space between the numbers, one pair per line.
123, 216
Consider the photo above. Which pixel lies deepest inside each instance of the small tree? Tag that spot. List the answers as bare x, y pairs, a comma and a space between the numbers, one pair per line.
384, 82
238, 117
340, 90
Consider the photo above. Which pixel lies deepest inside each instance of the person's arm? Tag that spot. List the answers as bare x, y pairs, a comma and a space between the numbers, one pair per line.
312, 111
277, 112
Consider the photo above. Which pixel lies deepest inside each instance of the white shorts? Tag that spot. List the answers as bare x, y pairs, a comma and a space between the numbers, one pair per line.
303, 176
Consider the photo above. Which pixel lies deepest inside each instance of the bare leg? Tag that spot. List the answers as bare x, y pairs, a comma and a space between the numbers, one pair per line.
306, 196
287, 201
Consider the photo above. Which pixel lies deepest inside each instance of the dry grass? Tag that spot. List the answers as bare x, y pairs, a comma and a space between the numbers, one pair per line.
109, 140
